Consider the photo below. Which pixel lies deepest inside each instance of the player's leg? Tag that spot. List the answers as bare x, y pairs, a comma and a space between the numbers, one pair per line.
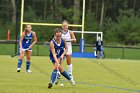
98, 52
61, 61
65, 74
70, 67
103, 54
69, 62
62, 71
54, 74
95, 52
20, 61
58, 72
29, 53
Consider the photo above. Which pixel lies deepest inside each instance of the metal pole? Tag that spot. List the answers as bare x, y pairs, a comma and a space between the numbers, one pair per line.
21, 21
37, 49
16, 26
123, 51
83, 19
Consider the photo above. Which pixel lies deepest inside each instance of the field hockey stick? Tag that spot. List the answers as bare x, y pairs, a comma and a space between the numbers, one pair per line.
58, 73
45, 43
61, 60
13, 55
70, 40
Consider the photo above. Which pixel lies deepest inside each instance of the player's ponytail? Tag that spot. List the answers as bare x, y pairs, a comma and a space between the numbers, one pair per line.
51, 38
56, 30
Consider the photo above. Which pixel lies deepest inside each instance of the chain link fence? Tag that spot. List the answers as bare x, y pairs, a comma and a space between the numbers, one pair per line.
111, 52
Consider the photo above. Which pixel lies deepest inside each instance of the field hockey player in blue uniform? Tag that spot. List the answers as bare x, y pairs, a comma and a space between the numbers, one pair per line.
26, 44
99, 50
58, 49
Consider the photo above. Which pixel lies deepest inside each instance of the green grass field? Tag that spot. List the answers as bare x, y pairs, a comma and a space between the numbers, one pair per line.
91, 76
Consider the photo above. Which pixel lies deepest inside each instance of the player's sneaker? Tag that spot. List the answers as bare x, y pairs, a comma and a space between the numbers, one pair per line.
50, 85
28, 71
18, 69
72, 82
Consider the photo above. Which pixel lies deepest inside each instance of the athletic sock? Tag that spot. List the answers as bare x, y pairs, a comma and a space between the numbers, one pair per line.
19, 63
70, 69
65, 74
27, 65
53, 77
95, 53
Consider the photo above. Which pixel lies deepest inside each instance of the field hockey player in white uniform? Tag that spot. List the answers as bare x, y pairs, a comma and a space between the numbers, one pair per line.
69, 37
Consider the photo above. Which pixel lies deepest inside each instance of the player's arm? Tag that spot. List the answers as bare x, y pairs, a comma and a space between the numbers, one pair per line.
96, 43
66, 49
53, 52
20, 41
35, 40
72, 36
102, 43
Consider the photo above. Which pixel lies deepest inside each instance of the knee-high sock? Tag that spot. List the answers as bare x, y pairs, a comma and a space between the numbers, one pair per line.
65, 74
53, 77
70, 69
19, 63
28, 65
95, 53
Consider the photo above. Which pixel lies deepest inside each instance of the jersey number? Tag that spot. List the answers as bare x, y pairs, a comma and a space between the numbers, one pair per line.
58, 52
27, 41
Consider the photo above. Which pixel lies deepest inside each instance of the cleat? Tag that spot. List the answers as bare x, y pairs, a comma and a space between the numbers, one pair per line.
50, 85
29, 71
18, 69
72, 82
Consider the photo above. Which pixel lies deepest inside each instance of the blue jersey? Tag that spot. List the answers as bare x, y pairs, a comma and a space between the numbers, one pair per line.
27, 40
99, 45
59, 49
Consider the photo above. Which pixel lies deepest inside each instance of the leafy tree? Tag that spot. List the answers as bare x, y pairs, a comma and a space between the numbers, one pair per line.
125, 29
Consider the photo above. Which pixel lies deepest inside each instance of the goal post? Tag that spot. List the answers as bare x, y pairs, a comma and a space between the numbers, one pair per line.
82, 41
98, 34
51, 24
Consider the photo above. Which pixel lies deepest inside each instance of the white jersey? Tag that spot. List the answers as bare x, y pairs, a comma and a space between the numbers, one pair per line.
67, 37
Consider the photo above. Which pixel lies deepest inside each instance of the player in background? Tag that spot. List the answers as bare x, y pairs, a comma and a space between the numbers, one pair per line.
98, 47
58, 49
69, 37
25, 46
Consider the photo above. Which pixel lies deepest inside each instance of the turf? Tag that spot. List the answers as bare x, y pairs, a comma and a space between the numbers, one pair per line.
91, 76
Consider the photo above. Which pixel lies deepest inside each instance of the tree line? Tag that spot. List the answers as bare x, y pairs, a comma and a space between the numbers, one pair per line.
119, 20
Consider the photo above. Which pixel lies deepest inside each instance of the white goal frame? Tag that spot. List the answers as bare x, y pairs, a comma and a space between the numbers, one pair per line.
98, 34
